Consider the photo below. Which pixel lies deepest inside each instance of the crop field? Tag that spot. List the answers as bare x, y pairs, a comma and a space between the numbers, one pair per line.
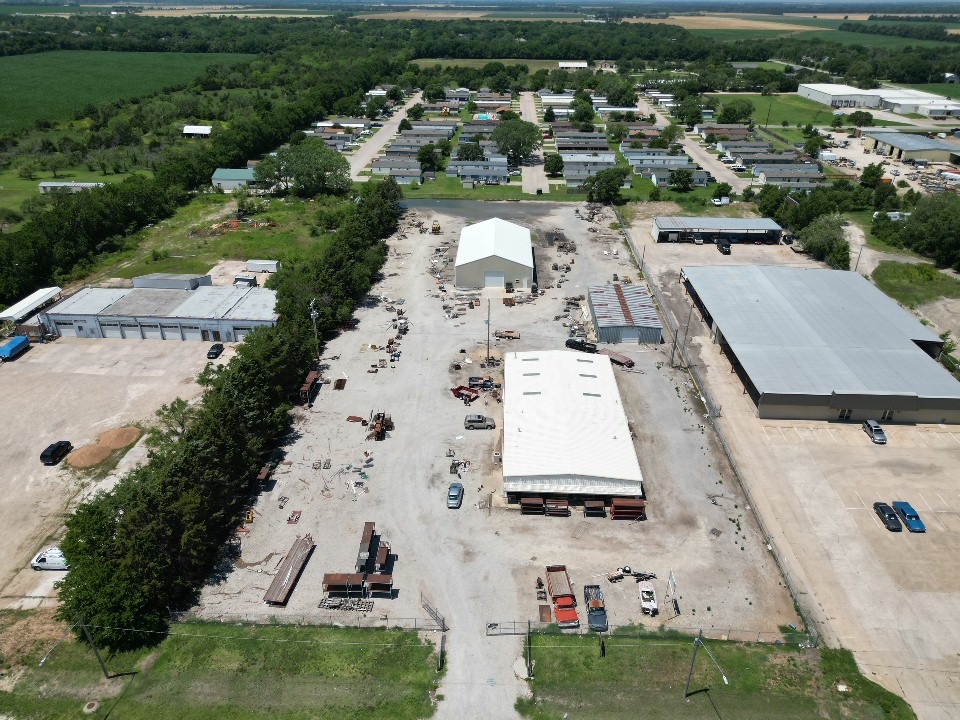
951, 90
208, 670
728, 35
765, 681
792, 108
55, 85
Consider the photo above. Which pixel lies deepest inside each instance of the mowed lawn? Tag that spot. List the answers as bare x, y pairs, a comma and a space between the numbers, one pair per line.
55, 85
646, 678
790, 107
209, 671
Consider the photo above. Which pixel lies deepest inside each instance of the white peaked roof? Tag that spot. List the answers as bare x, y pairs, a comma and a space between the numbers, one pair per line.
198, 129
495, 237
564, 426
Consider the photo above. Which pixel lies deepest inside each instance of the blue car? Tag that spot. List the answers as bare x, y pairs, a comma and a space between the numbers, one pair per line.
909, 516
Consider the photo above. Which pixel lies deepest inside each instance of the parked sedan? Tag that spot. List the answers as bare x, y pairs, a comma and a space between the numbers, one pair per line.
215, 351
909, 516
455, 495
887, 516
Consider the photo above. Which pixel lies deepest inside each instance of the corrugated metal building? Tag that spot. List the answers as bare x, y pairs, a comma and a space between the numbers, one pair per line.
816, 344
207, 313
171, 281
564, 428
712, 229
624, 313
493, 253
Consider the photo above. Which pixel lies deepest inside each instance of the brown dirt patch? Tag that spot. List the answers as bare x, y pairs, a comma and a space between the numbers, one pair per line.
88, 455
22, 632
120, 437
95, 453
724, 22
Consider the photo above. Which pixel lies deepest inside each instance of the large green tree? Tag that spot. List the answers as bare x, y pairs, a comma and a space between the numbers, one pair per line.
605, 186
825, 240
517, 138
553, 164
305, 170
681, 180
933, 229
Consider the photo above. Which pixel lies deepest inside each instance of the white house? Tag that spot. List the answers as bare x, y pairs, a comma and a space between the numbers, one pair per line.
493, 253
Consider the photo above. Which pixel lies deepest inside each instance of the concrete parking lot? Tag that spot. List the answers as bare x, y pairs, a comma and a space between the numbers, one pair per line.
891, 598
479, 564
72, 389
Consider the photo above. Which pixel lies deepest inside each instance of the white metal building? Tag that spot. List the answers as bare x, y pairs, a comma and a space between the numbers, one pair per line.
564, 428
23, 309
816, 344
493, 253
206, 313
197, 130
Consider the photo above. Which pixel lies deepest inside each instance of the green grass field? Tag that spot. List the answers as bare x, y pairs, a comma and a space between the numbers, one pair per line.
55, 85
534, 65
792, 108
734, 34
945, 89
646, 678
14, 190
913, 284
533, 15
209, 671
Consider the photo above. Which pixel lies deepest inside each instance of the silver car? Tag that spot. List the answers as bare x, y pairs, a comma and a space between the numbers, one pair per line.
455, 496
875, 432
472, 422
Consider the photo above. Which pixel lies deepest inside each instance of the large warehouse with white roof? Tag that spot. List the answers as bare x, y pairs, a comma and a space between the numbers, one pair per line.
206, 313
818, 344
564, 428
493, 253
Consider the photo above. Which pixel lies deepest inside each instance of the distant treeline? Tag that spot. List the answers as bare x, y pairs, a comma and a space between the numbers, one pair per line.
915, 31
917, 18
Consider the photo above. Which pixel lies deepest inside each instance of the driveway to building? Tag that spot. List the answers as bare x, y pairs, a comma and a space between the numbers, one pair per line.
712, 164
365, 154
534, 178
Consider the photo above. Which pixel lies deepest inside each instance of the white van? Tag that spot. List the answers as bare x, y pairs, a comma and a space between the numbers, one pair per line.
50, 559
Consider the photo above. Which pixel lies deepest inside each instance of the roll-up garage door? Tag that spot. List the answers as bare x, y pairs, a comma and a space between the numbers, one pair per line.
241, 332
191, 332
131, 331
494, 278
151, 331
110, 329
171, 332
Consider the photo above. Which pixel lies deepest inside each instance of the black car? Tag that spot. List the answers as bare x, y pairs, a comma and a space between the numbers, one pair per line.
215, 351
55, 452
724, 248
888, 516
581, 345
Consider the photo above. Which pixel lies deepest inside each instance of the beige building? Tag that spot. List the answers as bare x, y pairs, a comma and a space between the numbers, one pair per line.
493, 253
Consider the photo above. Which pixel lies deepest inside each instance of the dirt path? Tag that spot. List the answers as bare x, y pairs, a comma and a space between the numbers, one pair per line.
364, 154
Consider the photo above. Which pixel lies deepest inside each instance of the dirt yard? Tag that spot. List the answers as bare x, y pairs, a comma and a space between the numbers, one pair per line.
73, 389
479, 564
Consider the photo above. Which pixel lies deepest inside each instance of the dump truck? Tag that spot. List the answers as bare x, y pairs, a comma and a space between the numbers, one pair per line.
561, 593
507, 335
596, 611
13, 347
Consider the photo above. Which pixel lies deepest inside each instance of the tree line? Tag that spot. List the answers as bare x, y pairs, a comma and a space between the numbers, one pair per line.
150, 543
914, 31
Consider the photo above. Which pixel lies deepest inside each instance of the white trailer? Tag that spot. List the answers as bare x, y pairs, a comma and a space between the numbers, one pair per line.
263, 266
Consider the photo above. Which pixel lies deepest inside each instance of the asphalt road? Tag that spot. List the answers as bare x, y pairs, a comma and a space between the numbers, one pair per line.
534, 178
365, 154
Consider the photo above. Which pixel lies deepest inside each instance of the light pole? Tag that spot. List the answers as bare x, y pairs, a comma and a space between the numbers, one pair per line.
857, 264
697, 644
313, 316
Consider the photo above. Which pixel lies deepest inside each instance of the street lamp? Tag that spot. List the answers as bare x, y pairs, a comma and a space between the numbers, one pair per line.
313, 316
697, 644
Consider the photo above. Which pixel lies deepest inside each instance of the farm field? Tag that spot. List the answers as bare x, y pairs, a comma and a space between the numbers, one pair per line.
951, 90
792, 108
765, 681
867, 40
724, 22
208, 670
55, 85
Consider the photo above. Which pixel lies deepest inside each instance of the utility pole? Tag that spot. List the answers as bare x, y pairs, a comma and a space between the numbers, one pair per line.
488, 329
313, 316
93, 645
676, 337
857, 264
697, 643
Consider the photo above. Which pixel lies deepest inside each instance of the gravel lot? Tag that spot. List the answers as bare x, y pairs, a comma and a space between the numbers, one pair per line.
479, 564
890, 598
72, 389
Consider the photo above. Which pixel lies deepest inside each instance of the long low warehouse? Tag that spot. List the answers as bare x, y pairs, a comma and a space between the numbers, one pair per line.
565, 433
701, 230
206, 313
816, 344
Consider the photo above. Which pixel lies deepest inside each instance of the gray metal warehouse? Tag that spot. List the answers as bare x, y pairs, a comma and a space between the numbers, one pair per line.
624, 313
816, 344
711, 229
205, 313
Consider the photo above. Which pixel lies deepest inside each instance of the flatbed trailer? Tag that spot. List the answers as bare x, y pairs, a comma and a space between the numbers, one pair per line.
616, 358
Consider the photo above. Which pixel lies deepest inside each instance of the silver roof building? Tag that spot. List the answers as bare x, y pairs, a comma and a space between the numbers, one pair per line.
624, 313
811, 343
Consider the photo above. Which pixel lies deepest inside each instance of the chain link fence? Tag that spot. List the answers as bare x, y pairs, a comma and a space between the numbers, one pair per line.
713, 412
341, 618
742, 635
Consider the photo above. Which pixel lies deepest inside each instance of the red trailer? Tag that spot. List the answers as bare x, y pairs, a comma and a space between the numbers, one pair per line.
564, 599
467, 394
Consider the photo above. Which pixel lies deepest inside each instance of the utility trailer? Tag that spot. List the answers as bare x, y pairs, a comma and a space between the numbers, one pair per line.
616, 358
564, 600
13, 347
